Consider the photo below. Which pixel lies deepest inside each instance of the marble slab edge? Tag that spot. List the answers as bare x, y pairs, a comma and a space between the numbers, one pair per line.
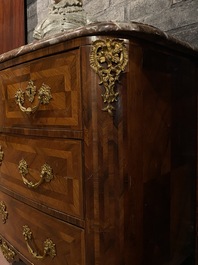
125, 29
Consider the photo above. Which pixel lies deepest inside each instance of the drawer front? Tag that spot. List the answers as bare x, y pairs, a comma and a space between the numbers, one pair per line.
63, 191
51, 93
65, 241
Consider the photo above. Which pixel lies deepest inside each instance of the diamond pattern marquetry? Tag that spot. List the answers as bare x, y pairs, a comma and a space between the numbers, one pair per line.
61, 74
64, 191
68, 239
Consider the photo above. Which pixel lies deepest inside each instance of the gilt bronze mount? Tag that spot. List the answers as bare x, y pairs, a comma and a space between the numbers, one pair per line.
46, 174
7, 252
108, 59
44, 96
3, 212
49, 246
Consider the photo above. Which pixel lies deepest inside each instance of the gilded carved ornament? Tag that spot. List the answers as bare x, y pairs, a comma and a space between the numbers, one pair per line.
46, 174
49, 246
3, 212
109, 58
44, 96
7, 252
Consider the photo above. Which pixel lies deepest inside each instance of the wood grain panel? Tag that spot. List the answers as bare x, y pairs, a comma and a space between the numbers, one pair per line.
68, 239
129, 179
64, 192
61, 74
140, 163
105, 163
12, 24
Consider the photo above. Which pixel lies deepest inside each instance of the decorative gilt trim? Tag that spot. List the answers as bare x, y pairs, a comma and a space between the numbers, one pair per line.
3, 212
44, 96
46, 174
49, 246
108, 58
1, 155
8, 253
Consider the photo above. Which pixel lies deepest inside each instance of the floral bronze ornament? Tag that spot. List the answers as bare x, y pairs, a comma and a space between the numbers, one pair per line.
31, 91
44, 96
7, 252
3, 212
46, 174
49, 246
108, 59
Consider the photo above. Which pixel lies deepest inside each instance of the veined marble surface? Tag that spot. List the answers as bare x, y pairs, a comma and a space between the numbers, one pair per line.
124, 29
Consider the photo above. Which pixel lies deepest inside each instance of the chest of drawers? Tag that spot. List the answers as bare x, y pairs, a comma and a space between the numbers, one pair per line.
98, 148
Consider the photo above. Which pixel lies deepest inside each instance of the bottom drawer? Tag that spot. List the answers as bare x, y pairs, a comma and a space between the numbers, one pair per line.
41, 238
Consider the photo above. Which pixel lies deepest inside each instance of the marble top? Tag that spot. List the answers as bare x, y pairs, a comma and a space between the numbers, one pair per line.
125, 29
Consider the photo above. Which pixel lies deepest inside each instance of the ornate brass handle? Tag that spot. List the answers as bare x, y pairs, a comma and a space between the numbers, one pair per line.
3, 212
49, 246
44, 96
8, 253
45, 175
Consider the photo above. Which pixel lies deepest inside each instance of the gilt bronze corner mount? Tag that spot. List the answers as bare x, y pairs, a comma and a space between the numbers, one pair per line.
108, 58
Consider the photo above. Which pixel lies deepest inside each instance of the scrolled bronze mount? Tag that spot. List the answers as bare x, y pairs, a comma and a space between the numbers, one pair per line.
46, 174
49, 246
3, 212
7, 252
44, 96
108, 58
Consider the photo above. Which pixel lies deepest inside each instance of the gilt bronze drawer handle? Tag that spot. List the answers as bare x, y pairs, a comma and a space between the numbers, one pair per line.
108, 58
45, 175
3, 212
49, 246
44, 96
8, 253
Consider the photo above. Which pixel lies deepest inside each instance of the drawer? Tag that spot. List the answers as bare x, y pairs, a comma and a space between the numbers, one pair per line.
65, 242
48, 91
46, 171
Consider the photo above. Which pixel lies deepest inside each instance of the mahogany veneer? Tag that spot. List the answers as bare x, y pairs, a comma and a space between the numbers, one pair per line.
123, 190
12, 24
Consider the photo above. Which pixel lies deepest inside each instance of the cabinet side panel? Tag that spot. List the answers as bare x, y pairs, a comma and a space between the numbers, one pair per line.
169, 157
104, 169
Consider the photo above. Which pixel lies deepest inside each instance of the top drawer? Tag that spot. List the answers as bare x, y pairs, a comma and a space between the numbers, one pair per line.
44, 92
